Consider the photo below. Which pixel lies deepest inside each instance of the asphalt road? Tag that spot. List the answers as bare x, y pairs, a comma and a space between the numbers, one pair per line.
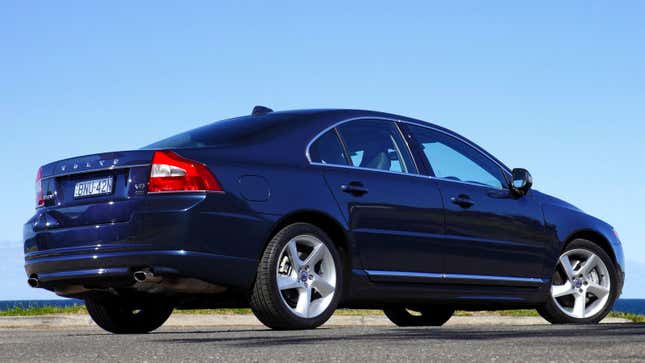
598, 343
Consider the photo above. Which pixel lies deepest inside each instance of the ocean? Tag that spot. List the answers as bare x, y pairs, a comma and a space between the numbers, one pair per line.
635, 306
9, 304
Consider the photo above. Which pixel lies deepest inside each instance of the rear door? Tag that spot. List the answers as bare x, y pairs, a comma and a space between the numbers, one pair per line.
395, 214
492, 235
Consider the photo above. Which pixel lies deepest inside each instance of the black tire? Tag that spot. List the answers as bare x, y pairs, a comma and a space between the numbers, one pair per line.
266, 300
122, 317
550, 311
426, 316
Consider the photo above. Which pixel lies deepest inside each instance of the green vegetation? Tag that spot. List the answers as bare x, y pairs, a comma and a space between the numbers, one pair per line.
521, 312
80, 309
43, 310
636, 318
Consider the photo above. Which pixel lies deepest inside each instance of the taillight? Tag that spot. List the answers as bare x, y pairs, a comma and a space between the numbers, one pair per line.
39, 188
172, 173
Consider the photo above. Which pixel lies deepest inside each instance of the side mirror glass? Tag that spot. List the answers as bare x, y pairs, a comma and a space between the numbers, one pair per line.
522, 181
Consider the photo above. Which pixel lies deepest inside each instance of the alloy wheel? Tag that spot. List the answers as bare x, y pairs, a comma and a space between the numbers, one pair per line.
306, 276
581, 284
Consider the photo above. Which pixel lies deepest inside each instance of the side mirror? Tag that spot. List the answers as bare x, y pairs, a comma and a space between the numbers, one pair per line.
522, 181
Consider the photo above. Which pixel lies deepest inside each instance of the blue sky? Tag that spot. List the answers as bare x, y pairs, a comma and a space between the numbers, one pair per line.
556, 87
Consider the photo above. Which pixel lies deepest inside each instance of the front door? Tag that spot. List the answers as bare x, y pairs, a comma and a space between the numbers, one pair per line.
492, 236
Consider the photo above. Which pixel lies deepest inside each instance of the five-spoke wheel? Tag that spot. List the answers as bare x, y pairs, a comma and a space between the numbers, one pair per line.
306, 276
583, 286
298, 280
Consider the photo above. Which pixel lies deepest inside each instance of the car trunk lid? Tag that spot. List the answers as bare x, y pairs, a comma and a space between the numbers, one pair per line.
94, 189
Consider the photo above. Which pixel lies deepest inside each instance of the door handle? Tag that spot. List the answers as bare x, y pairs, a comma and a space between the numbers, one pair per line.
462, 200
354, 188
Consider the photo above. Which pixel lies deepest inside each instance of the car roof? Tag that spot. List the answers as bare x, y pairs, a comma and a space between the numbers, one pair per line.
334, 116
297, 128
340, 114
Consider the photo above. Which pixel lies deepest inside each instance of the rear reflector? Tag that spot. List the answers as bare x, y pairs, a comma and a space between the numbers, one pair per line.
39, 189
172, 173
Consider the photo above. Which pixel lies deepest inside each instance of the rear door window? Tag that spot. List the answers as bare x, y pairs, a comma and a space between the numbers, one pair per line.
328, 150
376, 144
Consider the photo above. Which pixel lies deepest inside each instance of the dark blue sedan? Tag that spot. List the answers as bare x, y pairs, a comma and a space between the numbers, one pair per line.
297, 213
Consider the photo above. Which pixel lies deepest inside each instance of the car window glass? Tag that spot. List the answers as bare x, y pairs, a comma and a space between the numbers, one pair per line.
453, 159
357, 157
376, 144
328, 150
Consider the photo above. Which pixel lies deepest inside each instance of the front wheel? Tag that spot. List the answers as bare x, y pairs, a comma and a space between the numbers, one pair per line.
584, 285
425, 316
120, 316
299, 279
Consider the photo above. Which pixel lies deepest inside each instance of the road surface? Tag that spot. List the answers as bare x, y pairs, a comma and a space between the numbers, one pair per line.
538, 343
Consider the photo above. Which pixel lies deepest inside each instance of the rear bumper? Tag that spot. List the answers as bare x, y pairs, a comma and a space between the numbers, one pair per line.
98, 266
210, 237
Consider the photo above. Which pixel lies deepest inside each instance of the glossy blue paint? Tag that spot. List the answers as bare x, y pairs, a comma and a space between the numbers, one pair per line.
414, 243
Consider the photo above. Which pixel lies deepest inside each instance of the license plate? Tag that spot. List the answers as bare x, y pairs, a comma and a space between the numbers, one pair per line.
92, 188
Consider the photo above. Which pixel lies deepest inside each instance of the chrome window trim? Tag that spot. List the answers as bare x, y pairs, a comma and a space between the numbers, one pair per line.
533, 280
407, 146
335, 127
475, 147
370, 169
397, 149
427, 177
505, 173
341, 142
87, 171
396, 121
485, 186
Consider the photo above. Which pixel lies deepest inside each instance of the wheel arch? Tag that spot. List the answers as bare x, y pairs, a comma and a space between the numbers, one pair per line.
594, 237
322, 220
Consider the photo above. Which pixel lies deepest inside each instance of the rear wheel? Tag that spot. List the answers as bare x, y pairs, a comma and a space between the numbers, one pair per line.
584, 285
124, 317
426, 316
299, 279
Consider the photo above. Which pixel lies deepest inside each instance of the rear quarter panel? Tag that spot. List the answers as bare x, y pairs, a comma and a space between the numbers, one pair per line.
288, 189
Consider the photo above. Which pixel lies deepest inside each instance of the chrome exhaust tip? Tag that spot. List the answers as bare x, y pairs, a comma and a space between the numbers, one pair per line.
141, 276
33, 282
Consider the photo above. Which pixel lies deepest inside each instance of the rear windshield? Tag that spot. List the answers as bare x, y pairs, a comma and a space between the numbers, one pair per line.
237, 130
